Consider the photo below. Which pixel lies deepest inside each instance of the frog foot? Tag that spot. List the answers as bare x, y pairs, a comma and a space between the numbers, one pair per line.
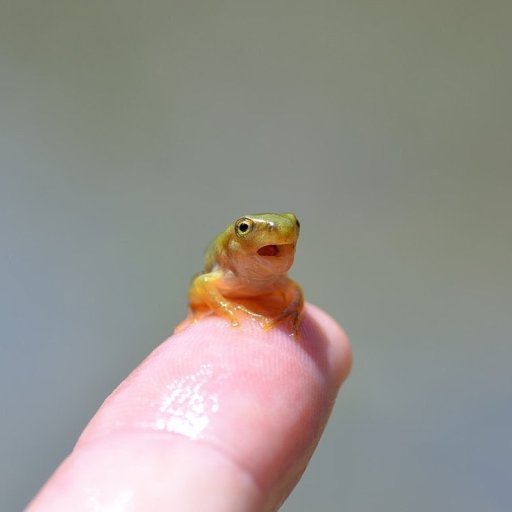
292, 318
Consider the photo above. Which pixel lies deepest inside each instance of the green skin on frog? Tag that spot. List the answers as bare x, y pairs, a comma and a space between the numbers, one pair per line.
245, 274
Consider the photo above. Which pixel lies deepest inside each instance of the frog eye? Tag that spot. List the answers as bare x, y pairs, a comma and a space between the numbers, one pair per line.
297, 222
243, 226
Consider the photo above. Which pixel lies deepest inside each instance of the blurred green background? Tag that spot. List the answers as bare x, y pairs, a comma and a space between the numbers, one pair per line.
132, 132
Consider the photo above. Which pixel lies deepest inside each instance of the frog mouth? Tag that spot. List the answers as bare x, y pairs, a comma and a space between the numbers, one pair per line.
273, 249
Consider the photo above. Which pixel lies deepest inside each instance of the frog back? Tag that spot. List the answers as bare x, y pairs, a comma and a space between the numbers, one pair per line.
216, 252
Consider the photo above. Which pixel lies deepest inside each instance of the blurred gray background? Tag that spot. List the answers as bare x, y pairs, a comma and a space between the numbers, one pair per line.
132, 132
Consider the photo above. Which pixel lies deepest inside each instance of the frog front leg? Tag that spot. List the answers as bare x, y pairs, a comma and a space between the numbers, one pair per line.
292, 313
204, 296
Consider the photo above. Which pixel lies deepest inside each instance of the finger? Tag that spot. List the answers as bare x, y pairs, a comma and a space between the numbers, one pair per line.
216, 418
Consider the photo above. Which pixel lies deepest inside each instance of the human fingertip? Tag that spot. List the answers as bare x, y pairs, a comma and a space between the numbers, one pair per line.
339, 348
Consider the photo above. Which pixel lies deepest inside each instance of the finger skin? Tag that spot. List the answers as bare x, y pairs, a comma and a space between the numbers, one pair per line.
215, 419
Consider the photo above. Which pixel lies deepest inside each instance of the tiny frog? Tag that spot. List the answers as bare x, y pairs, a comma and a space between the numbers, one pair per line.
245, 274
